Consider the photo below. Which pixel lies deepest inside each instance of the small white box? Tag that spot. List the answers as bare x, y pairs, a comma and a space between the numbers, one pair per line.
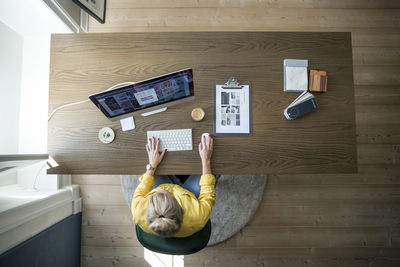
127, 124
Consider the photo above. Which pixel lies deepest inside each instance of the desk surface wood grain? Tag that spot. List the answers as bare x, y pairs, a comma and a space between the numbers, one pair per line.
320, 142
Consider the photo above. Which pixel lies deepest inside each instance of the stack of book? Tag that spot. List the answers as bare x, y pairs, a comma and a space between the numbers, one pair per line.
318, 81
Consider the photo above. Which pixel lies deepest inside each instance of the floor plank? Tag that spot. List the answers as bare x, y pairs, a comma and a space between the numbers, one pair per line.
106, 215
254, 17
381, 37
310, 237
371, 215
123, 256
102, 194
376, 55
377, 114
96, 179
367, 175
109, 236
376, 75
112, 257
377, 95
326, 4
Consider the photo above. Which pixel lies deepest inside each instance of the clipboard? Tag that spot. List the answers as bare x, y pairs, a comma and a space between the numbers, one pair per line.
232, 109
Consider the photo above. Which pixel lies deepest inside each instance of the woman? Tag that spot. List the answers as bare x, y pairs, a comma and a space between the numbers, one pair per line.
161, 206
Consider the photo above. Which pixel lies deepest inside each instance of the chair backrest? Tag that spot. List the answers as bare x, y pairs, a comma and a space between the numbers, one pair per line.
175, 245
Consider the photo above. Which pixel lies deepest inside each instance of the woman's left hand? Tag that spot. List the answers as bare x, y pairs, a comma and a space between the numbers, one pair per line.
155, 157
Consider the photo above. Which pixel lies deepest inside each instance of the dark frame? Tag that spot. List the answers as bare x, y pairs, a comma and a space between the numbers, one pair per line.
86, 9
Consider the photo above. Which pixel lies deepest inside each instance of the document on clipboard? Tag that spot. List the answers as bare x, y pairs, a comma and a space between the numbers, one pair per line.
232, 108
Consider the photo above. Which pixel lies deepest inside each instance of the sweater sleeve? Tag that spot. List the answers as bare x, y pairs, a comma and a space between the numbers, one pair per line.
206, 197
146, 182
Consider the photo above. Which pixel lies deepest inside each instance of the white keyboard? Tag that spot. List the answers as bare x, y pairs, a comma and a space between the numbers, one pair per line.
173, 140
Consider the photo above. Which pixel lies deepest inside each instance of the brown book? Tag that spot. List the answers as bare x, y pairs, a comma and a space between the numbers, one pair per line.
318, 81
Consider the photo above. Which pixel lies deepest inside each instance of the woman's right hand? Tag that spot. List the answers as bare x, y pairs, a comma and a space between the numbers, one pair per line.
206, 150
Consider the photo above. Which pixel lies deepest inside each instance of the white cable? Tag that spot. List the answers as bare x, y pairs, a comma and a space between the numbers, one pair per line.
66, 105
37, 175
83, 101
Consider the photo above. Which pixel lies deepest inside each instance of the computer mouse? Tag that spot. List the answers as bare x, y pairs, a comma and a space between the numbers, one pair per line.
207, 135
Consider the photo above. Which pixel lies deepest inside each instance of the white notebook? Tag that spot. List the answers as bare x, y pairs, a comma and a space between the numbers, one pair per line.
295, 75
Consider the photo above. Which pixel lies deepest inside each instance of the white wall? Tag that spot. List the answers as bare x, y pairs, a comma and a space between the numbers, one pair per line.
35, 22
11, 46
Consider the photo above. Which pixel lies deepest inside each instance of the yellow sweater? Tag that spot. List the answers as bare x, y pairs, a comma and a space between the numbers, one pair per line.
196, 211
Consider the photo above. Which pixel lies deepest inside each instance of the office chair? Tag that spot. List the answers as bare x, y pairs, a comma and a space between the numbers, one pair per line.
175, 245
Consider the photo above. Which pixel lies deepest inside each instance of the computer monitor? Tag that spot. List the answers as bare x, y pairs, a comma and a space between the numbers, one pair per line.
148, 95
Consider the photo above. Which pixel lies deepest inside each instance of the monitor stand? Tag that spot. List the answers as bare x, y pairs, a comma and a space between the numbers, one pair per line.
154, 112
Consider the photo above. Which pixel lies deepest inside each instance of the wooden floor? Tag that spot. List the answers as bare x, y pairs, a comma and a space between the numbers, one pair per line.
304, 220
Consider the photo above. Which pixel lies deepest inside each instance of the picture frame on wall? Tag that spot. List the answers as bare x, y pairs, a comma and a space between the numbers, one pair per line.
95, 8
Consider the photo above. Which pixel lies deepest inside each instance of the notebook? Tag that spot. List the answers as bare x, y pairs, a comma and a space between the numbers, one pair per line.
295, 75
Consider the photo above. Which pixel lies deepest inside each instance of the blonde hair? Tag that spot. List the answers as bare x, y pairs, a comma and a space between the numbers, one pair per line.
164, 214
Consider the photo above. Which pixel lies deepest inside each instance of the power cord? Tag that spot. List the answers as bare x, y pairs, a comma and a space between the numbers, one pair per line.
83, 101
37, 175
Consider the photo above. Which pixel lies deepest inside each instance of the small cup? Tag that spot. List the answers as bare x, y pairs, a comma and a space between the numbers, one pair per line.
198, 114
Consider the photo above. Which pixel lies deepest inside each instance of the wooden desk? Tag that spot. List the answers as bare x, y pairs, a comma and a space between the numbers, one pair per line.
321, 142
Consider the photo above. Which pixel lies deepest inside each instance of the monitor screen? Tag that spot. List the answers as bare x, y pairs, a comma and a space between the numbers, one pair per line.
145, 94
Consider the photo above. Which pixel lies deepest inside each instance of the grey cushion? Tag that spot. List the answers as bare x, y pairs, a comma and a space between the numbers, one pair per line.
238, 197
